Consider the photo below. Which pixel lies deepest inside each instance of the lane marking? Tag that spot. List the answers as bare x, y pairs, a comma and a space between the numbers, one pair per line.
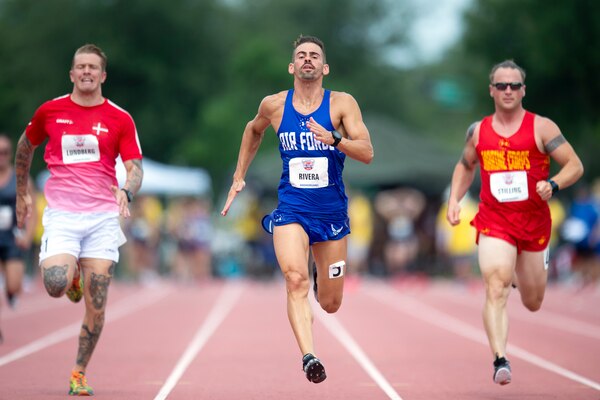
229, 296
338, 331
542, 317
23, 309
124, 307
433, 316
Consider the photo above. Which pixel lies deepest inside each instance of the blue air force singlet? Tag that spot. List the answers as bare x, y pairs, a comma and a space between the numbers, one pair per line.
311, 181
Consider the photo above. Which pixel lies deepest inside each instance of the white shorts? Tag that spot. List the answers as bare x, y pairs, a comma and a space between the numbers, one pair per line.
83, 235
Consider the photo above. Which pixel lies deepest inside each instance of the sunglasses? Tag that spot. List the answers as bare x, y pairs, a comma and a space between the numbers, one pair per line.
503, 85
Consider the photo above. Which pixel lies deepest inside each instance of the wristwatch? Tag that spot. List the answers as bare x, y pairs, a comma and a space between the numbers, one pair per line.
554, 186
128, 194
337, 138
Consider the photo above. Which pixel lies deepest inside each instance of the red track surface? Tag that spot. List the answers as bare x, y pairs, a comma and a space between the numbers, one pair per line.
232, 340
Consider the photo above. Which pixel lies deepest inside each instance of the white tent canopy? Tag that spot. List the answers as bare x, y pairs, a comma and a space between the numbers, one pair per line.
161, 179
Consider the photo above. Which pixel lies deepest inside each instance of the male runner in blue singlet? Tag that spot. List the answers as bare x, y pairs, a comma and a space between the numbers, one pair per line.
317, 129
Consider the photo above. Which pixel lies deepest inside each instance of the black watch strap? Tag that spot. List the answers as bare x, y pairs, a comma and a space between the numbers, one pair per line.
337, 138
128, 194
554, 185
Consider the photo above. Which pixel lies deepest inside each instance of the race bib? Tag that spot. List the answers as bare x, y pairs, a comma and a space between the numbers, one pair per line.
80, 149
509, 186
309, 173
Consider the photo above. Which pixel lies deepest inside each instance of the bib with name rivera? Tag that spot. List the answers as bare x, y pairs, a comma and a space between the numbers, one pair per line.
510, 167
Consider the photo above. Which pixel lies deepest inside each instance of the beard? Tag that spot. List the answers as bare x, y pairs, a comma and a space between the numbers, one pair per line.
308, 75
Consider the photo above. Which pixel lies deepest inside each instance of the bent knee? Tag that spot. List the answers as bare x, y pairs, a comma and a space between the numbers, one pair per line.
55, 280
533, 304
330, 306
54, 289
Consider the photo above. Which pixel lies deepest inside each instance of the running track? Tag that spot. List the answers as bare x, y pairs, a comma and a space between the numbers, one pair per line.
231, 340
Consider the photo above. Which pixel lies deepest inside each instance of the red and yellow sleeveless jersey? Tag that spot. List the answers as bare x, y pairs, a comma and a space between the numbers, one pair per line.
510, 167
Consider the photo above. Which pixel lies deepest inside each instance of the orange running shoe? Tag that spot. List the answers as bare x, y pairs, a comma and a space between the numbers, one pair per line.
75, 293
79, 386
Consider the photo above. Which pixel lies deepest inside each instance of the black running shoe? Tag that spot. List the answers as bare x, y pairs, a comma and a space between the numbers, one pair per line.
314, 370
502, 371
315, 289
12, 300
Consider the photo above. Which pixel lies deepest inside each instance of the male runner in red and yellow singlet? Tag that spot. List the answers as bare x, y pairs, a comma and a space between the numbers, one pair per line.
513, 148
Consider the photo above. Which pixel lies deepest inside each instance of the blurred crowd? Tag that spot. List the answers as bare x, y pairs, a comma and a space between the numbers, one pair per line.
396, 233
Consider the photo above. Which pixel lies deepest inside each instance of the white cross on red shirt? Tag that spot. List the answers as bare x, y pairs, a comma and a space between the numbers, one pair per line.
98, 128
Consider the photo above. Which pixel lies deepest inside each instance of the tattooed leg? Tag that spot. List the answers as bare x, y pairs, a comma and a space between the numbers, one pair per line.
55, 279
87, 340
93, 321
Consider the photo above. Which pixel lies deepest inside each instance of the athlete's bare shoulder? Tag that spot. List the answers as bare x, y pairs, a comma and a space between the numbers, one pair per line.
341, 97
472, 135
272, 105
343, 103
274, 101
547, 134
544, 124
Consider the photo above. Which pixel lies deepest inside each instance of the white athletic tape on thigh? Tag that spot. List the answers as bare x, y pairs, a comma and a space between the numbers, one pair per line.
337, 270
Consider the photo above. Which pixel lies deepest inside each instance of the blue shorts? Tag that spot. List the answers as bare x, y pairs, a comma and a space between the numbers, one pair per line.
318, 229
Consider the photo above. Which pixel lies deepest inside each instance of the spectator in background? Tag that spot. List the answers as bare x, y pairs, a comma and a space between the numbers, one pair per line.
360, 212
14, 242
143, 229
457, 243
400, 209
581, 230
190, 225
558, 215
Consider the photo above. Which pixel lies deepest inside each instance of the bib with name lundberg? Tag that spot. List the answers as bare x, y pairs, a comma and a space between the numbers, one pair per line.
509, 186
80, 149
309, 172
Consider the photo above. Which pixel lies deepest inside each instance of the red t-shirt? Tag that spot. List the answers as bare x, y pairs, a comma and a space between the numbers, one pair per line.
83, 144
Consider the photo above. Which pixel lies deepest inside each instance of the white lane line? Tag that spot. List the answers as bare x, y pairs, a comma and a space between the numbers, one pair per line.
124, 307
542, 317
229, 296
31, 306
421, 311
338, 331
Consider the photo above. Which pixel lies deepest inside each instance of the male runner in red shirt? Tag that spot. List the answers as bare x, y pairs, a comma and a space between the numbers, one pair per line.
513, 148
86, 133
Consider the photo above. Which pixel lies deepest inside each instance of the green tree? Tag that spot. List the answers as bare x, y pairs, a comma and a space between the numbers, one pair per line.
557, 47
192, 72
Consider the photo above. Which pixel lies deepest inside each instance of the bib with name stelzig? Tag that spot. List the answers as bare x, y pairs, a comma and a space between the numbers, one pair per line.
80, 149
509, 186
309, 173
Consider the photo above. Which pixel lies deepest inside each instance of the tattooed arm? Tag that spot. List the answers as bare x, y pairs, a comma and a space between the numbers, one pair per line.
555, 144
464, 173
23, 157
135, 174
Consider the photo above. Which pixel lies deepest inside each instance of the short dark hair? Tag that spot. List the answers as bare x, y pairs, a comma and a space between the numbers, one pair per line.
507, 64
308, 39
91, 49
